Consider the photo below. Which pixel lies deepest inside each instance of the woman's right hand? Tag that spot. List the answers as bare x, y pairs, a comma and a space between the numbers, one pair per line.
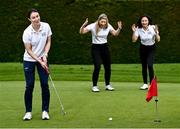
86, 22
134, 37
82, 30
134, 28
44, 65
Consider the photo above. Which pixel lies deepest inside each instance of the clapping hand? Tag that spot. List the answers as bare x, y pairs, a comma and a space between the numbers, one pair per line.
134, 28
86, 22
44, 65
156, 29
119, 24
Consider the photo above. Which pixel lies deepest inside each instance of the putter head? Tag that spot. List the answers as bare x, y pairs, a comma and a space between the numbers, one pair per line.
63, 112
157, 120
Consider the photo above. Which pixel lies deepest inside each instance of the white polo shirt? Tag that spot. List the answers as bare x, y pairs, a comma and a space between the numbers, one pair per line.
36, 39
147, 36
101, 36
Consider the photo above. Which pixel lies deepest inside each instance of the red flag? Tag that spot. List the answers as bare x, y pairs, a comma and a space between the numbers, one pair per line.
152, 91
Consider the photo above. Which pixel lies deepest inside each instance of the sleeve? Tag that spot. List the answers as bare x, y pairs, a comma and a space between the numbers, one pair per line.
49, 30
89, 27
110, 27
26, 37
153, 29
153, 26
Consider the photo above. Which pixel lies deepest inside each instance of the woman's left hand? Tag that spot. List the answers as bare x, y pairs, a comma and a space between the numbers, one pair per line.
119, 24
156, 29
45, 59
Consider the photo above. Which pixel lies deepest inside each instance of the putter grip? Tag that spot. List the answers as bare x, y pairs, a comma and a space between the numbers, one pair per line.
46, 68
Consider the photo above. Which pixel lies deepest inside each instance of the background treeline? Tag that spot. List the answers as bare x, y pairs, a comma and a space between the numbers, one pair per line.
66, 16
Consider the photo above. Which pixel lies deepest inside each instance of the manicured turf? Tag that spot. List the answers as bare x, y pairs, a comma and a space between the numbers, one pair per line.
126, 105
85, 109
120, 72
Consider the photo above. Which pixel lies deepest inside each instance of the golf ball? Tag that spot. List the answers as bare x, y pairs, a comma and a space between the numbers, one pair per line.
110, 118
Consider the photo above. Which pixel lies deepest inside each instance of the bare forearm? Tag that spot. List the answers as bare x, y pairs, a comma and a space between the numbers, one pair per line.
82, 30
47, 47
134, 38
28, 47
158, 37
117, 32
33, 55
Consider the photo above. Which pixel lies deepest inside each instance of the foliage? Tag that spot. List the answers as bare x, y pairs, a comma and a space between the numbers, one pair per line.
66, 17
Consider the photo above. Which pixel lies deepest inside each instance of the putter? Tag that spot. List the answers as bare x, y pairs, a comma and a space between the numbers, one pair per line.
62, 107
52, 83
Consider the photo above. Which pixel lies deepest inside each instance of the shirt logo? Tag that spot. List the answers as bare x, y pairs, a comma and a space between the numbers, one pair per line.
149, 33
43, 33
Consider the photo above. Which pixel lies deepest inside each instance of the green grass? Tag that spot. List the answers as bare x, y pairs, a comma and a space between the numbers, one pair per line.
120, 72
126, 105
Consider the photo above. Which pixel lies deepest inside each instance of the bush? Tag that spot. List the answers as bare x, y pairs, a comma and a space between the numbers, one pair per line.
66, 16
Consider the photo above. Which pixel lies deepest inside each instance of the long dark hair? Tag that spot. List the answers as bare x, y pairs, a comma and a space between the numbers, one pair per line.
139, 20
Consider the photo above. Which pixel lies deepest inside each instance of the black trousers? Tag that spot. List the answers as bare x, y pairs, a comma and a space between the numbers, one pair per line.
147, 59
100, 53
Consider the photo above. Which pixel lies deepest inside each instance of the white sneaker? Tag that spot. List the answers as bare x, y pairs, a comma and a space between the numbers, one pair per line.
109, 87
144, 87
95, 89
45, 115
27, 116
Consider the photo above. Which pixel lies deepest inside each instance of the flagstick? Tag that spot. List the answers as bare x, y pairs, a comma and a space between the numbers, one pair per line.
157, 116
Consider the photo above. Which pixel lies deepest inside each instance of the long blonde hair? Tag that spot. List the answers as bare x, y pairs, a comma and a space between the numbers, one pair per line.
101, 16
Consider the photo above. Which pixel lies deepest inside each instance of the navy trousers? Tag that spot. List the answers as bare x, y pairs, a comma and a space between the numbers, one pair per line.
29, 71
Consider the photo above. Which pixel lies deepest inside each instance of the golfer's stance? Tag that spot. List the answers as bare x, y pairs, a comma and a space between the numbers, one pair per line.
100, 30
148, 33
37, 42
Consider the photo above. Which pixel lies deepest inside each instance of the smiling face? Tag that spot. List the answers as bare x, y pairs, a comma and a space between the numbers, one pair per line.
103, 23
144, 22
35, 18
